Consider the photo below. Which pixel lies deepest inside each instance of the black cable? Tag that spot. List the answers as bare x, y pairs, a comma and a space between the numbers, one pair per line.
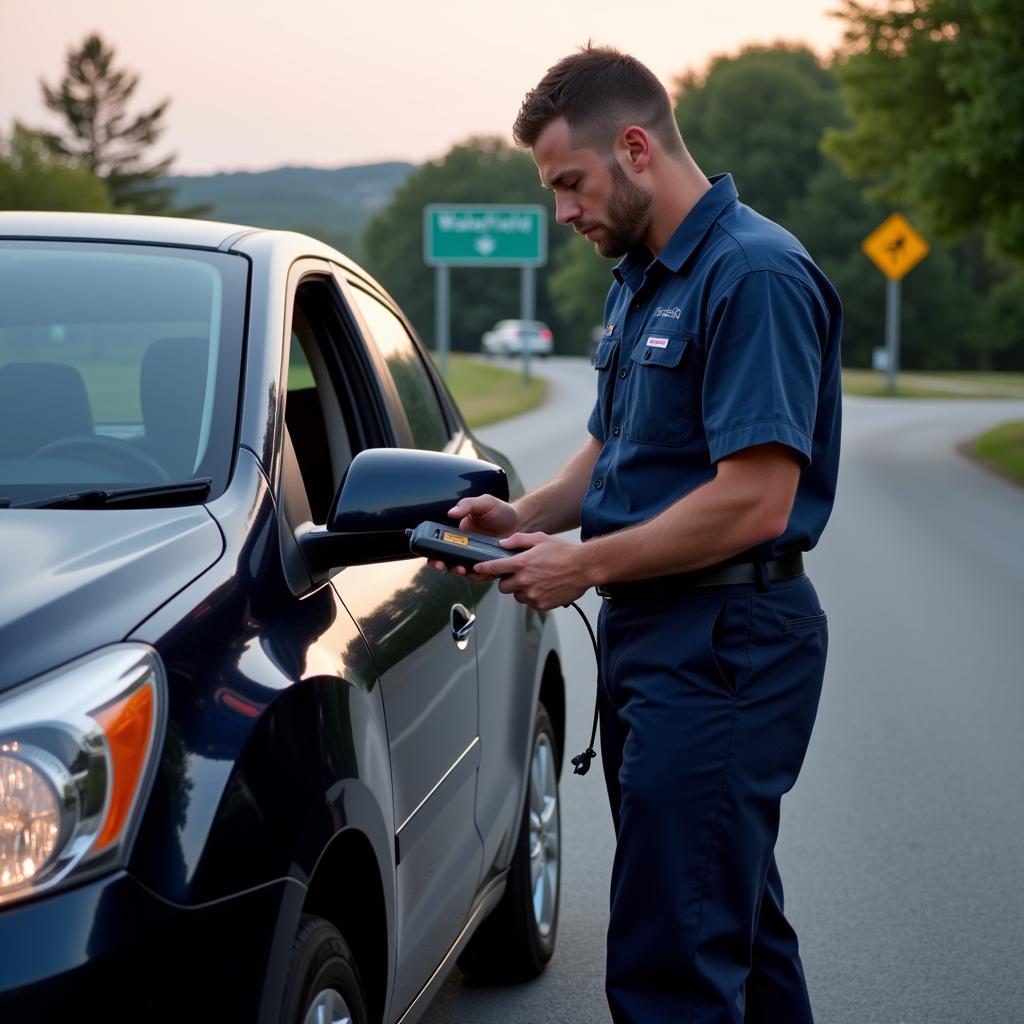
581, 762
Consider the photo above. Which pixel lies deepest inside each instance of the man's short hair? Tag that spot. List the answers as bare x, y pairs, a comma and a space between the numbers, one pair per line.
599, 91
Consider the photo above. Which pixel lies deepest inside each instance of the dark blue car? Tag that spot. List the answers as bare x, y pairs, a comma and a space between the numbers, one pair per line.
256, 762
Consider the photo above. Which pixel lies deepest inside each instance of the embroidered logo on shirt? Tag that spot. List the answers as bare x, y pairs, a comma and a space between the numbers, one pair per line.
656, 342
673, 313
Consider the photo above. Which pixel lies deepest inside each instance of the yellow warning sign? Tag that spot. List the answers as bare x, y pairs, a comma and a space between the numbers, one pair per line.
895, 247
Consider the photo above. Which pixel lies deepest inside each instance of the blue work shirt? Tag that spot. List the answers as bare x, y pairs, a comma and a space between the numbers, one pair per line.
729, 338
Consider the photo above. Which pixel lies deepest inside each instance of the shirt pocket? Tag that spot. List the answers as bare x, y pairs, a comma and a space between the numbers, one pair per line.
661, 400
604, 362
603, 353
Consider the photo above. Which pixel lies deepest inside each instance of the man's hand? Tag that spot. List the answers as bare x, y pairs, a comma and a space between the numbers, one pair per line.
482, 514
547, 575
485, 514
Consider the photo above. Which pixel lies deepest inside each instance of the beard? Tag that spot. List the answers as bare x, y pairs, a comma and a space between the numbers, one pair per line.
628, 217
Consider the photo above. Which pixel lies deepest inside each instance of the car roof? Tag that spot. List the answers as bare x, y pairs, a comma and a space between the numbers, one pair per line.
174, 231
118, 227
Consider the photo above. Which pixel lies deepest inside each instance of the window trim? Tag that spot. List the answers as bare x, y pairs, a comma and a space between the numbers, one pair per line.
360, 389
449, 414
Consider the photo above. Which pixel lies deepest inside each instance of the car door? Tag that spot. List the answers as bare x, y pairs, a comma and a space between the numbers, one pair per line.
419, 625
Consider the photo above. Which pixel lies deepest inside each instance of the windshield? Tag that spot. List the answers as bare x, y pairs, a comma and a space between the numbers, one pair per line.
119, 366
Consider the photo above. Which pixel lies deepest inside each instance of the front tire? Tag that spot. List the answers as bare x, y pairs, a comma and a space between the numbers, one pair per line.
323, 984
517, 940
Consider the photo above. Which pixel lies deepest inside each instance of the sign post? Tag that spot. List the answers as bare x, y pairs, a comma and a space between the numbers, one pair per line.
488, 235
895, 248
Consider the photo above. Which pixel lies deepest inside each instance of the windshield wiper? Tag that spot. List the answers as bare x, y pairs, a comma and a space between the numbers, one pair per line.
157, 496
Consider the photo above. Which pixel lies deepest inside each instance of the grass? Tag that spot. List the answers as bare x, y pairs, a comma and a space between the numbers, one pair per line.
939, 384
1002, 448
487, 393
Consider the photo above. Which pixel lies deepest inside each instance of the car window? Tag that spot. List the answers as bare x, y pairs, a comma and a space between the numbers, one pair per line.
119, 365
316, 415
411, 378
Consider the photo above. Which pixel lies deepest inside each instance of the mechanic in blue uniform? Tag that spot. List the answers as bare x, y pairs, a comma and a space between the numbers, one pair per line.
710, 467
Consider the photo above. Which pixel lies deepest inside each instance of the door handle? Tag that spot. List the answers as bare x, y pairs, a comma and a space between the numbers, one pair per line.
463, 621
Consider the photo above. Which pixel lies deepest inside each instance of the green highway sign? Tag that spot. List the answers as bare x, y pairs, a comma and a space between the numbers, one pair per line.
464, 235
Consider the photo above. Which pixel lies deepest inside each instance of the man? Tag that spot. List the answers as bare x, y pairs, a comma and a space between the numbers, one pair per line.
710, 466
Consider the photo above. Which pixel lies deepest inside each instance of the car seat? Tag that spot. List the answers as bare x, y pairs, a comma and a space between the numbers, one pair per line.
40, 403
172, 388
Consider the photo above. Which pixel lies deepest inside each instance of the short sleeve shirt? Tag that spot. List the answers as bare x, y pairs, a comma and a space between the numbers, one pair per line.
728, 339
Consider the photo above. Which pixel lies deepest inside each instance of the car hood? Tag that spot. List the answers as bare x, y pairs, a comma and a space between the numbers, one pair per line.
73, 580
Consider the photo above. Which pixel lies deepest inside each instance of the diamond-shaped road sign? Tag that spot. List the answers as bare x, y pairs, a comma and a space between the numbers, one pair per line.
895, 247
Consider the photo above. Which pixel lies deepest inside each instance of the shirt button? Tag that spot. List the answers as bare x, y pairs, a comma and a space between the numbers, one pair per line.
623, 374
647, 355
636, 307
598, 484
615, 431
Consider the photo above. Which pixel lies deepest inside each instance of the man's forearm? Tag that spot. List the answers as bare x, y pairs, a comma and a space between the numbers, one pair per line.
555, 506
747, 503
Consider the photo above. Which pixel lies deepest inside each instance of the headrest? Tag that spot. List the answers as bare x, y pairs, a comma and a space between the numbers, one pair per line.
172, 388
40, 403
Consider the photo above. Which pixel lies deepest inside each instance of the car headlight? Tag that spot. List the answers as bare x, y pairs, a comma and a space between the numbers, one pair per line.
77, 749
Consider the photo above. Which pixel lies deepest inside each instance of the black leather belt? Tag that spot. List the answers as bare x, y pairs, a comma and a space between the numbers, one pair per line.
663, 588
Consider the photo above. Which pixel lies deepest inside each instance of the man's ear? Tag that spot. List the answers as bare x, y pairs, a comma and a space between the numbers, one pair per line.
634, 148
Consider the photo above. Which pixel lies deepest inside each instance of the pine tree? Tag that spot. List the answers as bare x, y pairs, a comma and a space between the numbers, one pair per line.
93, 98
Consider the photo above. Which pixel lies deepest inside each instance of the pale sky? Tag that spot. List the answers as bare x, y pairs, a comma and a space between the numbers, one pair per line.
257, 84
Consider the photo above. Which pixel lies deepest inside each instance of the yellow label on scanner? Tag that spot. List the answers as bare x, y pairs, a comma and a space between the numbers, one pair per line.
455, 538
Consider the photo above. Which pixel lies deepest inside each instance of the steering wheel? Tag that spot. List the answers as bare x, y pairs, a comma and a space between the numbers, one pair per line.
98, 449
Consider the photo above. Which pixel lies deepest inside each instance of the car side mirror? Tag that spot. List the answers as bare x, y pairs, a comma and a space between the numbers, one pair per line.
387, 491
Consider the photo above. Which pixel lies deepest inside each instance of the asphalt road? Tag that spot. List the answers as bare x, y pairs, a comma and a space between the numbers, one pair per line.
901, 844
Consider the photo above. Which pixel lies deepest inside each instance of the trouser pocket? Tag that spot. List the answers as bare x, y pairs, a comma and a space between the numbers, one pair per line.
728, 643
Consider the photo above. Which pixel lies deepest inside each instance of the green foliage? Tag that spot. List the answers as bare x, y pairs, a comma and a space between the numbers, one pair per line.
578, 285
33, 178
486, 394
92, 98
482, 170
772, 145
936, 90
1000, 323
1003, 448
760, 115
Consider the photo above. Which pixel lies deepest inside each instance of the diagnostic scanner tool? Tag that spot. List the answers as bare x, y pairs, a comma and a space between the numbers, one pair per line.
455, 547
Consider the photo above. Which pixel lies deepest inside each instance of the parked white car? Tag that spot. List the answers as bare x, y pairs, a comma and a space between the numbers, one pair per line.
511, 337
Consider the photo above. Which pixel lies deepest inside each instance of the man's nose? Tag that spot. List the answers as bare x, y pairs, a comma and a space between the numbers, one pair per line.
566, 209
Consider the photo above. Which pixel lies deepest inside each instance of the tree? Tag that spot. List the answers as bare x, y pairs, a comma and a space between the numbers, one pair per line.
771, 142
760, 114
33, 178
999, 325
936, 91
93, 98
578, 286
481, 170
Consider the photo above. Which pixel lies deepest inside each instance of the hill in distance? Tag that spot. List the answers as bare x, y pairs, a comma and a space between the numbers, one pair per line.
332, 204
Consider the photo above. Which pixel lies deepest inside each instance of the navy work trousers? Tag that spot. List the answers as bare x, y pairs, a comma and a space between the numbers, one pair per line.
707, 706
